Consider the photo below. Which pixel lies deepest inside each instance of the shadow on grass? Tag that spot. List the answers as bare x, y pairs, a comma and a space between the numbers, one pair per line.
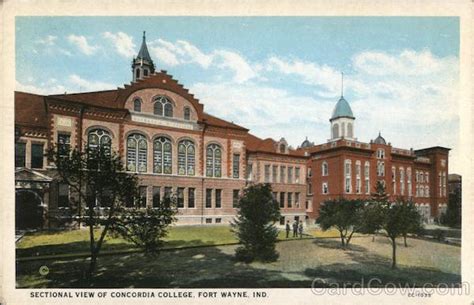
336, 244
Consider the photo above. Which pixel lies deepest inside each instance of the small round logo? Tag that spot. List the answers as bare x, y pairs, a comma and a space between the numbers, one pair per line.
43, 270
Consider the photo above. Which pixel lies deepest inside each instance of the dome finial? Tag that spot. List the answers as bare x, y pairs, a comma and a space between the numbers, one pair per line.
144, 35
342, 84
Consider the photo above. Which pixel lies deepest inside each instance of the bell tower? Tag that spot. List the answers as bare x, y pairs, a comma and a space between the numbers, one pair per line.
342, 119
142, 65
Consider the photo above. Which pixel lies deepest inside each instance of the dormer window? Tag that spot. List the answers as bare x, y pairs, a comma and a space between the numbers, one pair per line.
163, 107
282, 148
380, 154
145, 72
137, 105
187, 113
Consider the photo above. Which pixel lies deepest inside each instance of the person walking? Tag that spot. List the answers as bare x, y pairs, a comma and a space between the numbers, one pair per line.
300, 229
288, 229
295, 228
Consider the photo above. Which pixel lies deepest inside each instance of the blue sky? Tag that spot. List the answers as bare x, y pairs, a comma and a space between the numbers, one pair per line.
278, 76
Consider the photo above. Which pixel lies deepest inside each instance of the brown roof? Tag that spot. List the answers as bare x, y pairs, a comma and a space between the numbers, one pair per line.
214, 121
30, 110
98, 98
256, 144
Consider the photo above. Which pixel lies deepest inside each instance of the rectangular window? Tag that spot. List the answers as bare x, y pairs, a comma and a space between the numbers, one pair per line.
282, 174
325, 188
218, 220
218, 198
208, 198
235, 198
358, 168
290, 174
358, 185
236, 166
367, 186
290, 200
297, 175
282, 199
297, 200
168, 191
64, 144
310, 188
275, 174
20, 154
191, 198
249, 172
142, 199
208, 220
37, 155
63, 195
348, 185
156, 196
267, 173
180, 195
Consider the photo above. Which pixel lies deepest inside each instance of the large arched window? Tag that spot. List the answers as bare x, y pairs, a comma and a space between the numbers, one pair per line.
213, 161
162, 156
99, 138
137, 105
335, 131
186, 158
136, 153
163, 106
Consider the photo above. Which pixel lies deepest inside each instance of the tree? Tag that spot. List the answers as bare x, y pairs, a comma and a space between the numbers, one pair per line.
342, 214
257, 211
453, 214
412, 219
146, 228
96, 178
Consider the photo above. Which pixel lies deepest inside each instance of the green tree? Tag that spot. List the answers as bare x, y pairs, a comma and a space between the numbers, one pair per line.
453, 214
146, 228
96, 178
342, 214
254, 225
413, 223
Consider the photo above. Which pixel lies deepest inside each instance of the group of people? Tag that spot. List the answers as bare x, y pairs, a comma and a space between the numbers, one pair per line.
297, 228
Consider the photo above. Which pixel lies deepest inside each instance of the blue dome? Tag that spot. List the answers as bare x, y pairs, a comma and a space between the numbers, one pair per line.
342, 109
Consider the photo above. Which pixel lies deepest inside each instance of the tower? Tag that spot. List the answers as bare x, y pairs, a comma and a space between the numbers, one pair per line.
142, 65
342, 119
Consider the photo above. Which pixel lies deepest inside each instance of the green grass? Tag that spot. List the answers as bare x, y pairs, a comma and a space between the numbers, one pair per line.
300, 262
77, 241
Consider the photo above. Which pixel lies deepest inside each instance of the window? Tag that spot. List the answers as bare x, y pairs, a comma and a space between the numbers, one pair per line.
187, 113
358, 185
249, 172
213, 161
427, 177
145, 72
282, 199
297, 175
236, 166
142, 199
427, 191
168, 191
218, 198
325, 188
137, 104
267, 173
137, 74
191, 197
380, 153
20, 154
290, 174
310, 188
208, 220
163, 107
37, 155
136, 153
357, 168
349, 130
156, 196
310, 172
347, 171
282, 174
235, 198
335, 131
409, 181
208, 198
394, 180
297, 200
290, 200
380, 168
367, 177
275, 174
282, 148
99, 138
402, 181
64, 144
324, 169
186, 158
162, 156
63, 195
180, 195
218, 220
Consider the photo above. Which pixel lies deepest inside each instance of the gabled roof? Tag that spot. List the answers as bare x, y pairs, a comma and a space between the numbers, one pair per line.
29, 175
104, 98
214, 121
255, 144
30, 110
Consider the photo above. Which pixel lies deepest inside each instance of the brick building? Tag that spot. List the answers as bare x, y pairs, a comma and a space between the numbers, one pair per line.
164, 135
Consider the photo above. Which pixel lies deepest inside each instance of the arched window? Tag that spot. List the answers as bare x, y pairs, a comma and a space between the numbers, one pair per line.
136, 153
99, 138
145, 72
335, 131
137, 74
137, 105
213, 161
186, 158
162, 156
163, 106
324, 169
282, 148
187, 113
349, 130
343, 129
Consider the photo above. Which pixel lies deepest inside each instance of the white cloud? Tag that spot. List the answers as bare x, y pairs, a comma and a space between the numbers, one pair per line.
47, 45
242, 70
82, 44
122, 42
82, 85
48, 40
48, 87
72, 83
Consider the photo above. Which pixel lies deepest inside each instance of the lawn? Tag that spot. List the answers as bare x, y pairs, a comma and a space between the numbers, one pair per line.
77, 241
300, 262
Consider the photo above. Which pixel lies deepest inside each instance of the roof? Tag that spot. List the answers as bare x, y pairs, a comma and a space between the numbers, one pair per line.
30, 110
380, 140
342, 109
143, 53
104, 98
306, 143
255, 144
214, 121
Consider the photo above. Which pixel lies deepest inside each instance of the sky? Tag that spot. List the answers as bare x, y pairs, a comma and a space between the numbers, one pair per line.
277, 76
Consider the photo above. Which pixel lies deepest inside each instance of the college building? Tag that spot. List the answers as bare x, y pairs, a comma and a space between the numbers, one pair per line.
165, 136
